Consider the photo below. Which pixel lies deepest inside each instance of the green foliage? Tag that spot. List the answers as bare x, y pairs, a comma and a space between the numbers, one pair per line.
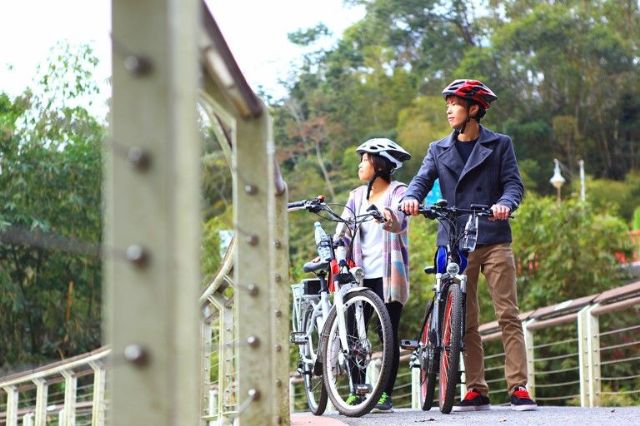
621, 197
50, 219
636, 219
565, 250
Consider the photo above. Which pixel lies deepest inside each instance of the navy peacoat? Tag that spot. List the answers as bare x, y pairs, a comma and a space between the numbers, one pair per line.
490, 176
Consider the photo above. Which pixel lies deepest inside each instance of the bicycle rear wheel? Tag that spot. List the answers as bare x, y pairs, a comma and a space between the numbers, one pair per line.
450, 355
314, 388
355, 376
428, 356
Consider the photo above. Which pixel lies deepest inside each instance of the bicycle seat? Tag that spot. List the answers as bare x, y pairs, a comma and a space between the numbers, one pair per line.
315, 266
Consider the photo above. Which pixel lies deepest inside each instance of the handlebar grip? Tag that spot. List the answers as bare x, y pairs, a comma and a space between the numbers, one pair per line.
296, 205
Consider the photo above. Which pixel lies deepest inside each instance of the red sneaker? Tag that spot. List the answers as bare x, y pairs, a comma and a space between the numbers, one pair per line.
473, 401
521, 401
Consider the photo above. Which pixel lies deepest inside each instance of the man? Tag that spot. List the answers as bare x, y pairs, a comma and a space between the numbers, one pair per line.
477, 166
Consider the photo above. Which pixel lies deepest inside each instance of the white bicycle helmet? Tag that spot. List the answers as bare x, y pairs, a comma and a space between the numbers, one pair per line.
385, 148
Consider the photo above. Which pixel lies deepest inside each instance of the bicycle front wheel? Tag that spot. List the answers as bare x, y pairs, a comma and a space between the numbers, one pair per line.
313, 384
450, 355
355, 376
428, 357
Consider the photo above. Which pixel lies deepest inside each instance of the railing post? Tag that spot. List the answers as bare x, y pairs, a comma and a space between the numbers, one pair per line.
41, 401
415, 389
280, 299
373, 370
70, 392
531, 365
292, 394
152, 214
227, 353
99, 386
254, 272
27, 420
12, 405
589, 357
205, 359
213, 404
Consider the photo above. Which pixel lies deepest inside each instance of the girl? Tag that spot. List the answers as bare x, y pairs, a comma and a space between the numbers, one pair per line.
381, 248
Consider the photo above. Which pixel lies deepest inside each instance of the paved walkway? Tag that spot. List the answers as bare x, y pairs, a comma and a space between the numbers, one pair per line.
498, 415
306, 419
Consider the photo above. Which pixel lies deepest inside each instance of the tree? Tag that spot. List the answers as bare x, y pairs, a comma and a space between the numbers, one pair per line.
50, 218
565, 250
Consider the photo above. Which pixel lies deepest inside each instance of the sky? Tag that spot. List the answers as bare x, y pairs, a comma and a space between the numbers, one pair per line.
256, 31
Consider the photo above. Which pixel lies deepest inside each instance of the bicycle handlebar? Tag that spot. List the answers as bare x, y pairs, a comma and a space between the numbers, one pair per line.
306, 204
478, 210
434, 211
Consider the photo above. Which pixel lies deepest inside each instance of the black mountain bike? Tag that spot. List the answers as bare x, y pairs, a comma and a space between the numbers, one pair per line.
436, 351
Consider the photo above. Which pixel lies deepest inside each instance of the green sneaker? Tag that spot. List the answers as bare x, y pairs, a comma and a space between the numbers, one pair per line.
384, 404
354, 399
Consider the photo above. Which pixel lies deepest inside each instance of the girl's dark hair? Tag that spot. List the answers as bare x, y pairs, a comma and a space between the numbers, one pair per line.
381, 166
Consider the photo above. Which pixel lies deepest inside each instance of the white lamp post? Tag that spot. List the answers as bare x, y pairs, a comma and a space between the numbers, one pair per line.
557, 180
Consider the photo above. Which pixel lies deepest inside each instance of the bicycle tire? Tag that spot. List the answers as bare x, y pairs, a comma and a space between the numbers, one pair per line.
428, 362
336, 367
451, 344
314, 388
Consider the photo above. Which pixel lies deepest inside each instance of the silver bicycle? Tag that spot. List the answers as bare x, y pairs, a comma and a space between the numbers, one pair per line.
345, 344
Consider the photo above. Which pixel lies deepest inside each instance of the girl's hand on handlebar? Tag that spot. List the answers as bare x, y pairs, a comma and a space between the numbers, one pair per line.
500, 212
387, 216
410, 206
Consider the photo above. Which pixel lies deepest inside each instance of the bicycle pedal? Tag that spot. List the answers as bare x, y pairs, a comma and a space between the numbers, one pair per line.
409, 344
363, 389
298, 338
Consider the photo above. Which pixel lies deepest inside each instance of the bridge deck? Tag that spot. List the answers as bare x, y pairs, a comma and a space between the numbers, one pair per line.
565, 416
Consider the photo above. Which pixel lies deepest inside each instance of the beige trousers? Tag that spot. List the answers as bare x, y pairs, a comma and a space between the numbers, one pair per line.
497, 264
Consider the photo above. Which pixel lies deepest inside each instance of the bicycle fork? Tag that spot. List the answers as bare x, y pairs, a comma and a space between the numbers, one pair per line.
360, 330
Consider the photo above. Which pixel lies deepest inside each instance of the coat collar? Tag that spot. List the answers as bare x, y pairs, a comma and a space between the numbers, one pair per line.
451, 158
485, 136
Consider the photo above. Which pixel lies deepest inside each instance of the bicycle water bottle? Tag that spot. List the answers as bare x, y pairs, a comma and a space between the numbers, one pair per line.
470, 238
323, 242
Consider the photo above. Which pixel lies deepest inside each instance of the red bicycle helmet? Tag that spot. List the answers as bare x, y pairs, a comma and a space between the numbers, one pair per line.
472, 90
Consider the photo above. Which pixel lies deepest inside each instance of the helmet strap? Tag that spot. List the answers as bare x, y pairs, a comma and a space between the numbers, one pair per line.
468, 119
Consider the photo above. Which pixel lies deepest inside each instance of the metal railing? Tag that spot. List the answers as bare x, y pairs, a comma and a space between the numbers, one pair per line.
569, 347
29, 400
579, 352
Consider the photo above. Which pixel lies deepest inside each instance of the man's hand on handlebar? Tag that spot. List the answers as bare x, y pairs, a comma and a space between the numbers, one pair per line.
500, 212
410, 206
